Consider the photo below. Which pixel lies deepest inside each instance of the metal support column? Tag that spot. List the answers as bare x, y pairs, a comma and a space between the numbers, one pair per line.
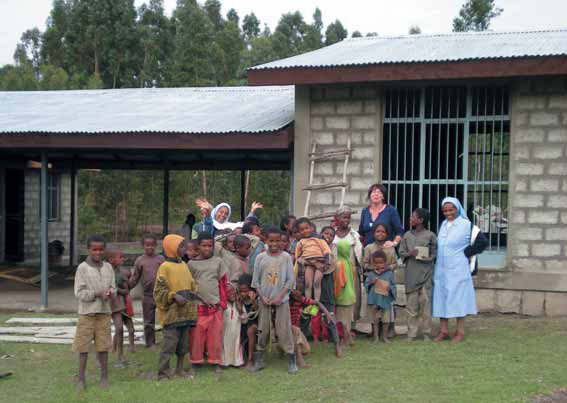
44, 239
165, 202
73, 213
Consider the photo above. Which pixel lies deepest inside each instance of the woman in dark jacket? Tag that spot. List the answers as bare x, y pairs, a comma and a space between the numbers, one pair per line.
379, 212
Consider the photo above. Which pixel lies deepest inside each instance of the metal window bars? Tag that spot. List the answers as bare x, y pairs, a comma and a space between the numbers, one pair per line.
449, 141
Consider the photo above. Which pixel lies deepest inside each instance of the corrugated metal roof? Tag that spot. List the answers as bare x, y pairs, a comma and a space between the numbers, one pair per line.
451, 47
176, 110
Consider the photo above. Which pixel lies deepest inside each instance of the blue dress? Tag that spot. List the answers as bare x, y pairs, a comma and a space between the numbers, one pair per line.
453, 290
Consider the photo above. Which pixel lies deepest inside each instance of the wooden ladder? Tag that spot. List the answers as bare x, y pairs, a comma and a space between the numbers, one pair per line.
314, 157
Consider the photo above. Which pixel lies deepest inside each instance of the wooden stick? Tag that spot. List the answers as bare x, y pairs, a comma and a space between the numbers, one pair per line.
343, 190
325, 186
311, 169
328, 152
327, 215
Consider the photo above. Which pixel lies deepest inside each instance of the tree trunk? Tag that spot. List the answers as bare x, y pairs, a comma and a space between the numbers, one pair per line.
143, 72
96, 60
204, 183
246, 187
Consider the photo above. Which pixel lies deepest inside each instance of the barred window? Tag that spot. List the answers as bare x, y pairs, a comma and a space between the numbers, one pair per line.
53, 197
449, 141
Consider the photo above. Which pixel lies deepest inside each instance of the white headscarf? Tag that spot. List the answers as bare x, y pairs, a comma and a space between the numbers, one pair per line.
226, 224
455, 202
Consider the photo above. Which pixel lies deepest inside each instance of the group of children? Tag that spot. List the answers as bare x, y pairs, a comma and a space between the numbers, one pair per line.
224, 299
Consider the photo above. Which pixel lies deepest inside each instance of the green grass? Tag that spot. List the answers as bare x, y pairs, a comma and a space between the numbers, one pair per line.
504, 358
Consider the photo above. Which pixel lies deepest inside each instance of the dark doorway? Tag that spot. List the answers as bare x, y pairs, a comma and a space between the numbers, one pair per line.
14, 203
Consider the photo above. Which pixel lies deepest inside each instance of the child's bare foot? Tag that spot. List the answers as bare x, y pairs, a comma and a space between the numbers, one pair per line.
184, 374
104, 383
315, 342
131, 349
338, 350
81, 386
249, 365
151, 347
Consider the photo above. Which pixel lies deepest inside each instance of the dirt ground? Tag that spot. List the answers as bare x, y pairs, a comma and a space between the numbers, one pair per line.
558, 396
61, 299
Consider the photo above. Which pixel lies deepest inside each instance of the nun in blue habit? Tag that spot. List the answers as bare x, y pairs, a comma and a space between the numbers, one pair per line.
453, 290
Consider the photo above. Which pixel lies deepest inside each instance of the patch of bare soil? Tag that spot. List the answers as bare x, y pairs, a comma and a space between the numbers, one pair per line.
557, 396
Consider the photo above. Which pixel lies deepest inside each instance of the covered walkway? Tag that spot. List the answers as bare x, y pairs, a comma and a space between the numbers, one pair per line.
233, 128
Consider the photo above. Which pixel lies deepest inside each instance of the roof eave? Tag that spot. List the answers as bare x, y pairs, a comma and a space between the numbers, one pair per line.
273, 140
485, 68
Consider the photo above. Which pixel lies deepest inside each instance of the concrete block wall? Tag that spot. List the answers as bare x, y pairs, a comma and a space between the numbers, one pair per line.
529, 303
535, 282
538, 176
59, 229
335, 114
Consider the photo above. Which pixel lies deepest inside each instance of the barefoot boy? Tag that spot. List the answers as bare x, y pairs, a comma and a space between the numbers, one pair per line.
145, 268
94, 286
273, 279
176, 312
419, 272
381, 287
210, 274
118, 306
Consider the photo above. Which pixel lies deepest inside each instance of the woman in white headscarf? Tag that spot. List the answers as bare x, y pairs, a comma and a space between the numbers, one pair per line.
453, 289
218, 218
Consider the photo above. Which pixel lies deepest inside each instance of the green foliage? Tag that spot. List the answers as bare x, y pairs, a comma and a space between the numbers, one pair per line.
156, 34
335, 33
94, 83
20, 78
53, 78
250, 27
121, 205
288, 36
111, 44
414, 30
475, 15
193, 50
313, 35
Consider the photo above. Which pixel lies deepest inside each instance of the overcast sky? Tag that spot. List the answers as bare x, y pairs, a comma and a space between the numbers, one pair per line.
381, 16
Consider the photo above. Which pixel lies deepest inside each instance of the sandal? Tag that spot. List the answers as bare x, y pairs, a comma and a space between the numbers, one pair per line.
441, 336
458, 337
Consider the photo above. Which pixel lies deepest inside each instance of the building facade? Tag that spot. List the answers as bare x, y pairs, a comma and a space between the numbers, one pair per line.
484, 119
20, 214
